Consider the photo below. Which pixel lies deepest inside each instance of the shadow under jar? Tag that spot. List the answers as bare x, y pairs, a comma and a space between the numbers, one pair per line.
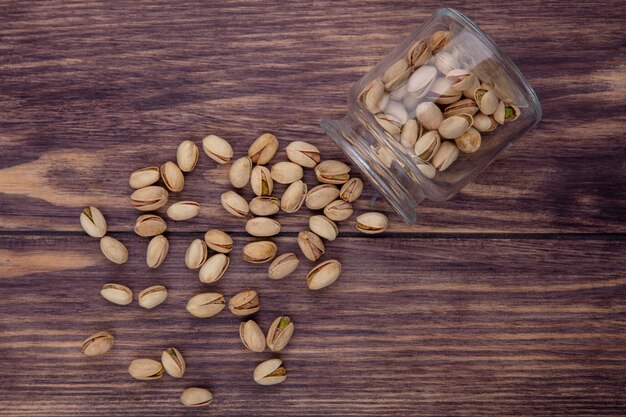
434, 113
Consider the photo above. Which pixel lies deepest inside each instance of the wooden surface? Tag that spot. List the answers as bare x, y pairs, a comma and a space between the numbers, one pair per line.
507, 300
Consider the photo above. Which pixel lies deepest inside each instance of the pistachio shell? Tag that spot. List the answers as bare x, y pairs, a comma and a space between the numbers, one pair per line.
389, 123
351, 190
455, 126
117, 294
286, 172
196, 397
372, 223
427, 170
303, 154
206, 304
270, 372
427, 145
148, 225
324, 274
157, 251
469, 141
283, 265
244, 303
262, 227
470, 91
396, 74
219, 241
465, 106
484, 123
173, 362
172, 177
196, 254
320, 196
419, 54
263, 149
265, 205
145, 369
252, 336
332, 172
114, 250
259, 252
371, 95
152, 296
98, 344
397, 111
428, 115
93, 222
214, 268
445, 62
149, 198
217, 149
239, 173
293, 197
261, 181
323, 227
144, 177
338, 210
506, 113
422, 80
183, 210
487, 101
439, 40
445, 156
187, 155
280, 333
234, 204
461, 79
311, 245
442, 92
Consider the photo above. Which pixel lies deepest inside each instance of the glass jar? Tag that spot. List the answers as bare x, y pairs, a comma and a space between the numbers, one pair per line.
434, 113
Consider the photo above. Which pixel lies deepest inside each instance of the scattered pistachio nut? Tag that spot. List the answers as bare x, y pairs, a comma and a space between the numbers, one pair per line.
217, 149
149, 198
259, 252
114, 250
324, 274
419, 54
187, 155
445, 156
311, 245
145, 369
320, 196
303, 154
286, 172
506, 113
429, 115
338, 210
372, 223
409, 134
144, 177
332, 172
442, 92
439, 40
323, 227
172, 177
206, 305
93, 222
283, 265
427, 145
484, 123
487, 101
461, 79
173, 362
218, 241
293, 197
465, 106
262, 227
117, 294
261, 181
469, 141
196, 397
239, 173
421, 81
157, 250
396, 74
270, 372
234, 204
183, 210
265, 205
455, 126
196, 254
214, 268
427, 169
152, 296
280, 333
99, 343
252, 336
445, 63
371, 96
389, 123
263, 149
244, 303
351, 190
148, 225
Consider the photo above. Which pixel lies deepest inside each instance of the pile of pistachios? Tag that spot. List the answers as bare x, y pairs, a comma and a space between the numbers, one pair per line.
334, 202
433, 107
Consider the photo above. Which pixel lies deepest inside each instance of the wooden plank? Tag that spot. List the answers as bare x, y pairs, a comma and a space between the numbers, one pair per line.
431, 326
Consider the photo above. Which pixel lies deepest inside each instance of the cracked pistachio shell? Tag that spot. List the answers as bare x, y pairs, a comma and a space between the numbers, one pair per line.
465, 106
338, 210
396, 110
461, 79
422, 80
445, 156
303, 154
145, 369
332, 172
487, 101
234, 204
265, 205
244, 303
93, 222
206, 304
389, 123
442, 92
372, 223
427, 145
324, 274
469, 141
261, 181
270, 372
293, 197
263, 149
157, 251
409, 133
286, 172
283, 265
372, 94
98, 344
252, 336
239, 173
446, 62
418, 54
148, 225
484, 123
217, 149
114, 250
311, 245
172, 177
196, 397
319, 196
506, 113
470, 91
427, 170
149, 198
455, 126
439, 40
173, 362
183, 210
117, 294
152, 296
218, 241
384, 101
262, 227
214, 268
396, 74
351, 190
429, 115
196, 254
323, 227
187, 155
144, 177
279, 333
259, 252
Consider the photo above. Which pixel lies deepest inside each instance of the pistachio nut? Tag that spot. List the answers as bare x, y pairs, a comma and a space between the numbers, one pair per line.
320, 196
484, 123
389, 123
280, 333
252, 336
384, 101
263, 149
455, 126
157, 251
323, 227
470, 91
270, 372
218, 241
152, 296
262, 227
117, 294
196, 254
461, 79
351, 190
234, 204
427, 170
239, 173
286, 172
442, 92
265, 205
487, 101
324, 274
149, 198
422, 80
259, 252
338, 210
187, 155
183, 210
399, 92
427, 145
429, 115
244, 303
396, 110
409, 133
144, 177
303, 154
206, 304
217, 149
114, 250
506, 113
332, 172
196, 397
445, 62
396, 74
418, 54
311, 245
465, 106
261, 181
293, 197
172, 177
469, 141
93, 222
445, 156
173, 362
148, 225
372, 223
214, 268
283, 265
145, 369
439, 40
98, 344
372, 94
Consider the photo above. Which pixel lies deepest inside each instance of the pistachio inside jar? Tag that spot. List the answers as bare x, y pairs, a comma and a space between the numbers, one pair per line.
437, 110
